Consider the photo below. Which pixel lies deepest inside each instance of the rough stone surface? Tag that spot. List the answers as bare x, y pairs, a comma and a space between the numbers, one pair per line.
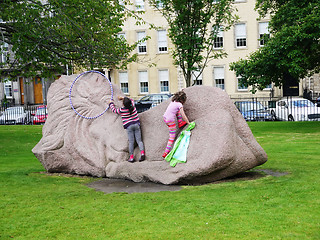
221, 144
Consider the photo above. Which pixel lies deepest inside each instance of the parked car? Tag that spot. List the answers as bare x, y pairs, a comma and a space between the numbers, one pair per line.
296, 109
41, 115
150, 101
253, 111
15, 115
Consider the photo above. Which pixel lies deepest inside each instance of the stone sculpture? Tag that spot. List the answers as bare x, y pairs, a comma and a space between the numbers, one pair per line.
221, 144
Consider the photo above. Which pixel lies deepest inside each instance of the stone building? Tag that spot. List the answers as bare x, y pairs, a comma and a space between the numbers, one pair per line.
312, 85
155, 72
21, 90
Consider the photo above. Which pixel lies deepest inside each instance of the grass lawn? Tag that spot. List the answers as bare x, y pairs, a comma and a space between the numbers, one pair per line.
39, 206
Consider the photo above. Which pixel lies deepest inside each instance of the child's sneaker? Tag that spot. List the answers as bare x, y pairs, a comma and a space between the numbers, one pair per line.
142, 158
181, 124
131, 159
164, 155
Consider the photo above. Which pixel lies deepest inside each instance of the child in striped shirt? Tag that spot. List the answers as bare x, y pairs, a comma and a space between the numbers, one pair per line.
131, 123
175, 110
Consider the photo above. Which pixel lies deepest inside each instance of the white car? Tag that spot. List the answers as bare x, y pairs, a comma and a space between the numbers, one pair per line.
296, 109
15, 115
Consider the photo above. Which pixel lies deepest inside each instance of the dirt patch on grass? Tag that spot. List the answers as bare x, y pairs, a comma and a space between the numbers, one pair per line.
108, 185
272, 173
65, 175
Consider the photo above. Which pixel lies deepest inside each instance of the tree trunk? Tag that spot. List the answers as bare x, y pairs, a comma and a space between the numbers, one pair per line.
188, 78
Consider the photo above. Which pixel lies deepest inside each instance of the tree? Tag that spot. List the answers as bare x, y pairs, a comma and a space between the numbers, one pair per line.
193, 28
47, 35
293, 49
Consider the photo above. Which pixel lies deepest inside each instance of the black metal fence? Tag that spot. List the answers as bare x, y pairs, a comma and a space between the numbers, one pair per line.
253, 109
284, 109
23, 114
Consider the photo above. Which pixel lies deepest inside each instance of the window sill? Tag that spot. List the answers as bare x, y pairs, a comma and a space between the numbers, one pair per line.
241, 48
161, 53
242, 90
243, 1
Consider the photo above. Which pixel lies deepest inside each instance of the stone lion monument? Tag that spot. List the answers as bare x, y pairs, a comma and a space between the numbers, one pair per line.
221, 144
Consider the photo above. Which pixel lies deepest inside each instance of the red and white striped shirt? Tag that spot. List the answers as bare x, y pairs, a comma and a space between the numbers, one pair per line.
127, 118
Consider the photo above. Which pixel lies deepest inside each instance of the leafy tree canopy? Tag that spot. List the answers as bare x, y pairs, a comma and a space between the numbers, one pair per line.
193, 28
294, 46
47, 35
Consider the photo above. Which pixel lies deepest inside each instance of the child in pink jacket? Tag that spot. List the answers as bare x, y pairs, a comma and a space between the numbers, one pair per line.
175, 111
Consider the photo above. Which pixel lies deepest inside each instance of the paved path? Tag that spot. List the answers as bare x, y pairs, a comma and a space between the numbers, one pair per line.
108, 185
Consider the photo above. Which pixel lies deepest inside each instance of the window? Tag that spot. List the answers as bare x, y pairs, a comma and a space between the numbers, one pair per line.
159, 4
218, 41
4, 52
124, 84
164, 80
263, 33
140, 5
196, 74
52, 13
197, 39
241, 87
143, 81
241, 35
162, 41
8, 89
268, 87
142, 46
218, 73
122, 35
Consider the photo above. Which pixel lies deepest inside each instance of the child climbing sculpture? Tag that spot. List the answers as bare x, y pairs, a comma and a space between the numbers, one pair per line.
131, 123
175, 111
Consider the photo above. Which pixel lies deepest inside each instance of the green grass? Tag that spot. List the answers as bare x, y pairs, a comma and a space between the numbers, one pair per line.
39, 206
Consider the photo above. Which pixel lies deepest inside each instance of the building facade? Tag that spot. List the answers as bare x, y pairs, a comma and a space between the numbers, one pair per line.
21, 90
154, 72
24, 91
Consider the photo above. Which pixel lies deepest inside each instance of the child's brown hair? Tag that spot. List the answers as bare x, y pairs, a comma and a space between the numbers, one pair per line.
128, 104
179, 97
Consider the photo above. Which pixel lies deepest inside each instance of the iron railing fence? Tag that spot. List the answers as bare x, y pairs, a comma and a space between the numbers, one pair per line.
285, 109
142, 107
23, 114
150, 101
252, 109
